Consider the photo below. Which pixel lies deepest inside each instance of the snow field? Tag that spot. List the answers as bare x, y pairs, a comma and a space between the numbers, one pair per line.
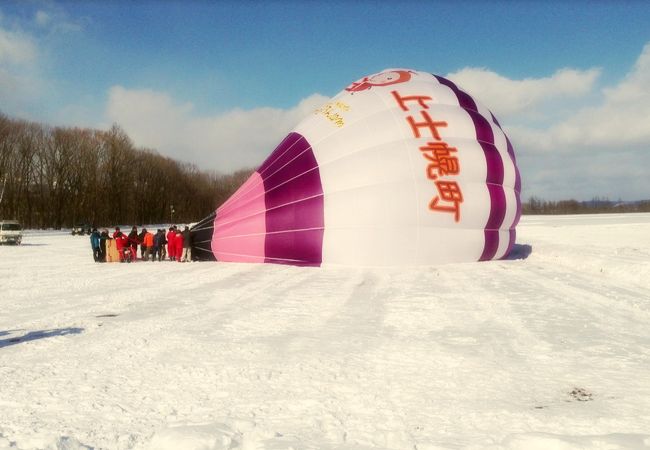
548, 350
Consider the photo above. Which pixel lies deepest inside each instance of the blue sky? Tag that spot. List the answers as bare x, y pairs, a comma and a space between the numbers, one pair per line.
176, 73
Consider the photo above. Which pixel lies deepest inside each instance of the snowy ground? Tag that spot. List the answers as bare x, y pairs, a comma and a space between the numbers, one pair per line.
547, 350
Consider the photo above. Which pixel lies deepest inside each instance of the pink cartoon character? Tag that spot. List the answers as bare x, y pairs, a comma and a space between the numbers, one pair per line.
381, 79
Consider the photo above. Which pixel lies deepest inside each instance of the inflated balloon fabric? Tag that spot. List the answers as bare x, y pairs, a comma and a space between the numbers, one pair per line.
400, 168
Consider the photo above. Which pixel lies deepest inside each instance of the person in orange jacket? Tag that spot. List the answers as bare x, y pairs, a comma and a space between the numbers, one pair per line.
170, 243
147, 243
178, 245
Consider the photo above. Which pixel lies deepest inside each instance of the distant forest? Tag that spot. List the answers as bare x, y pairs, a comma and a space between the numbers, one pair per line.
56, 177
595, 206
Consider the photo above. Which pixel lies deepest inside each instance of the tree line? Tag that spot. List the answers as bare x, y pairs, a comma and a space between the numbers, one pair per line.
56, 177
597, 205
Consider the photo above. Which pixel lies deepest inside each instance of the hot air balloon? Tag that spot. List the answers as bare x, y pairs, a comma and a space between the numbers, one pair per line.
401, 168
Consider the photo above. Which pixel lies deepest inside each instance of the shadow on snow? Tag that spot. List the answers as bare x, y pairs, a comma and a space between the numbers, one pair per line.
520, 251
34, 335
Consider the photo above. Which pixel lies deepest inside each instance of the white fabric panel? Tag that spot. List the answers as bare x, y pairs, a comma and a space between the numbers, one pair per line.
396, 247
504, 240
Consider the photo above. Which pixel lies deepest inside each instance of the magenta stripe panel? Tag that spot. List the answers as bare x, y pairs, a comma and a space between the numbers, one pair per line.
517, 188
294, 204
283, 153
498, 199
513, 159
511, 152
494, 178
492, 156
494, 119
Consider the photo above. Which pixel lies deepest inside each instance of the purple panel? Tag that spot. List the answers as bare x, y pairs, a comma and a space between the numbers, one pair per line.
494, 164
493, 160
296, 248
498, 198
464, 100
497, 213
299, 215
484, 132
494, 119
518, 216
491, 244
294, 204
511, 152
277, 157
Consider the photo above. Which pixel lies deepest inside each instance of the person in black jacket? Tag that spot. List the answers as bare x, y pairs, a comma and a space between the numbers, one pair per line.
160, 242
103, 237
143, 247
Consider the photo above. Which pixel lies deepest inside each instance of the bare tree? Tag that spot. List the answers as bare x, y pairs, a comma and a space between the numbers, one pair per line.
54, 177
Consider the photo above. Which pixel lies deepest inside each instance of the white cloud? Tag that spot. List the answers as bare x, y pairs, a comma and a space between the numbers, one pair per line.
27, 46
19, 83
598, 148
507, 97
16, 49
623, 118
42, 18
225, 142
55, 19
620, 118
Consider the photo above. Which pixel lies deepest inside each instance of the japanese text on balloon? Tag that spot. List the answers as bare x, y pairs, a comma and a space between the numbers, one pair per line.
439, 155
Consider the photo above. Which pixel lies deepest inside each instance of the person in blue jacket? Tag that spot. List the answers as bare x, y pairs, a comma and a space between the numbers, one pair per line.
95, 244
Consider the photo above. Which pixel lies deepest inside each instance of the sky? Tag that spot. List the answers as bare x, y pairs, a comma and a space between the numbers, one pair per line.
219, 84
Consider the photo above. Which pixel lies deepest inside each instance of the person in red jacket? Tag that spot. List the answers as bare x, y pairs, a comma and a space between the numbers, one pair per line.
119, 243
123, 247
170, 243
117, 232
178, 245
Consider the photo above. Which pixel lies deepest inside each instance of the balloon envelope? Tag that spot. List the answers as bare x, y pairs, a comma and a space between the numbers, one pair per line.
400, 168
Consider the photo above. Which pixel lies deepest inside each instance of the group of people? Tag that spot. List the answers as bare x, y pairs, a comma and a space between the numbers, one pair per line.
174, 244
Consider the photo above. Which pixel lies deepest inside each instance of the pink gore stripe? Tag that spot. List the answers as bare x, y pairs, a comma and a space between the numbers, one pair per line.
239, 229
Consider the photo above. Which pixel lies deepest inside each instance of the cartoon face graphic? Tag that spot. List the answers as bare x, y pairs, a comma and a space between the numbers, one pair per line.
381, 79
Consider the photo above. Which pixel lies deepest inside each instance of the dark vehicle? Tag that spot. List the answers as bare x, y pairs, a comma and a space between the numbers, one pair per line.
81, 229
